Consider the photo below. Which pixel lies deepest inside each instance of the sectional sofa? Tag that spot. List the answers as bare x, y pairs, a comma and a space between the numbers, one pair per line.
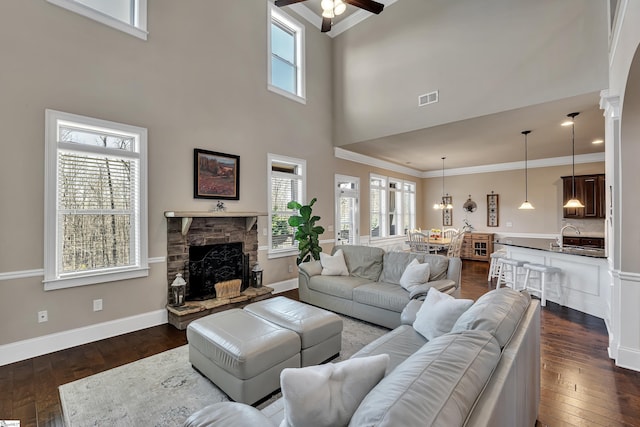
371, 291
484, 372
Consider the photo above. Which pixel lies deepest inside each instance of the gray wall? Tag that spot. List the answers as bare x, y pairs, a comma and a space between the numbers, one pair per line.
198, 82
483, 56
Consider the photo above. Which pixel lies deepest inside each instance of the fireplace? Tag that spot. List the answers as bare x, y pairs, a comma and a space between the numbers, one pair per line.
209, 248
210, 264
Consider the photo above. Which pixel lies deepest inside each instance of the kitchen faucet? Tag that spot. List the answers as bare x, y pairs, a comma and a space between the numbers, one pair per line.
560, 239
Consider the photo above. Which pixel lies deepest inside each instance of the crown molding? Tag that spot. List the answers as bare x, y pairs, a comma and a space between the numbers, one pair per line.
341, 153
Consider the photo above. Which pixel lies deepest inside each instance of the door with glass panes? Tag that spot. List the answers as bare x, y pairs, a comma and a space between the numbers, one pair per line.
347, 210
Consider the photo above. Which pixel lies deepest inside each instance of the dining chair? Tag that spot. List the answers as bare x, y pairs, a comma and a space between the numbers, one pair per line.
448, 233
419, 242
455, 247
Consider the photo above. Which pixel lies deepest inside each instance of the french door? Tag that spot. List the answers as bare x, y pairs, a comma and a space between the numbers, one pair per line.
347, 210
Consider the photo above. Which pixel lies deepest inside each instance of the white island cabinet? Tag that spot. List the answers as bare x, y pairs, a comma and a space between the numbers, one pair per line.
585, 280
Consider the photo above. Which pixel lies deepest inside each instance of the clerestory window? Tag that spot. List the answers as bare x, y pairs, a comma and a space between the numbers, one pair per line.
95, 201
129, 16
286, 62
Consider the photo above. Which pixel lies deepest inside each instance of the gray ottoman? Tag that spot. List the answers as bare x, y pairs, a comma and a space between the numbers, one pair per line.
241, 353
320, 330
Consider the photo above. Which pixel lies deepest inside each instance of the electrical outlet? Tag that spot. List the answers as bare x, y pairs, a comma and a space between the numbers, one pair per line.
509, 224
330, 227
97, 305
43, 316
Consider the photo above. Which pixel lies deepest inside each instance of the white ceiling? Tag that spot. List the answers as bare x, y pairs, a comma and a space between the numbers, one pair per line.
487, 140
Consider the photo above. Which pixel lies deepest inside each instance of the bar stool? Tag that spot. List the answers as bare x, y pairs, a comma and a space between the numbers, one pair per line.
543, 279
509, 271
493, 267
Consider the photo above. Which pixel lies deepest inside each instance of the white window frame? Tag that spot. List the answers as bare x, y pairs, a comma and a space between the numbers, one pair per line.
276, 14
138, 29
302, 165
383, 216
53, 278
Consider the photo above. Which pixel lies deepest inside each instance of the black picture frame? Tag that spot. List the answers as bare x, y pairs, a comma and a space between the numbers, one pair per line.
447, 214
216, 175
493, 210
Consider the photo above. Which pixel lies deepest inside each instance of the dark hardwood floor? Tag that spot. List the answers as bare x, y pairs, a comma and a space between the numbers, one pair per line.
580, 385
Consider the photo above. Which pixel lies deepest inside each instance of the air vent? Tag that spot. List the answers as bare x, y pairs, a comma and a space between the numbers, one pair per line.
428, 98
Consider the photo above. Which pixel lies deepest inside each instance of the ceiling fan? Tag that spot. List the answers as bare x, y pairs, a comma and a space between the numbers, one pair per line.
331, 8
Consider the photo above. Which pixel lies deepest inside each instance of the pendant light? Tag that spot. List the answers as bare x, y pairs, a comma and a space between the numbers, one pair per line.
573, 202
526, 204
442, 205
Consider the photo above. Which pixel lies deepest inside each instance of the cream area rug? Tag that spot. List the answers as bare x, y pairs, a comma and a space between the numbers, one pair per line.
163, 390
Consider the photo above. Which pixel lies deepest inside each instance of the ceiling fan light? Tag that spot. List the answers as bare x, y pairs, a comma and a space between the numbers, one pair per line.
339, 7
326, 5
526, 205
328, 13
573, 203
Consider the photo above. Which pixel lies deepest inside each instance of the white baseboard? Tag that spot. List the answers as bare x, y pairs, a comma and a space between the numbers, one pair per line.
285, 285
628, 358
26, 349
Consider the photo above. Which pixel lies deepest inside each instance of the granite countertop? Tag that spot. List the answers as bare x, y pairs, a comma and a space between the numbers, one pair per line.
550, 245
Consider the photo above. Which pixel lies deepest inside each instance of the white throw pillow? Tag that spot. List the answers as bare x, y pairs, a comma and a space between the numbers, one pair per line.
415, 274
328, 395
333, 265
439, 313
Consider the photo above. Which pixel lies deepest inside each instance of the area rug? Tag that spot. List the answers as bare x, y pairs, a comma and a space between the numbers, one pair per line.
163, 390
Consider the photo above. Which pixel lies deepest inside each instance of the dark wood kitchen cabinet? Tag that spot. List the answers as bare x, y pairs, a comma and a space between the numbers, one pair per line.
590, 190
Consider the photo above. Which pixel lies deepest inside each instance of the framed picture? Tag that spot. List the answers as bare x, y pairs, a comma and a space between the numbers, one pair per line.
215, 175
492, 210
447, 214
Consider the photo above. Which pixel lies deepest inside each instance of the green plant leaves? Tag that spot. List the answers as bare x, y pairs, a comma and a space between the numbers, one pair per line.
306, 231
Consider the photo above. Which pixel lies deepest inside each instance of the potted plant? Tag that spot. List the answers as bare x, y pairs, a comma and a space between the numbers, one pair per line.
307, 232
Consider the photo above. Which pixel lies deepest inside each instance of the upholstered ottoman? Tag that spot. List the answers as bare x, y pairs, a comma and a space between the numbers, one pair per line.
320, 330
241, 353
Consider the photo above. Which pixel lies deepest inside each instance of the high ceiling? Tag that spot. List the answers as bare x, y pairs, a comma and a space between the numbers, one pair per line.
485, 140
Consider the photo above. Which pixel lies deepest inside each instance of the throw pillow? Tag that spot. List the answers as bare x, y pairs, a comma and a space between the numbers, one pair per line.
415, 274
328, 395
439, 313
333, 265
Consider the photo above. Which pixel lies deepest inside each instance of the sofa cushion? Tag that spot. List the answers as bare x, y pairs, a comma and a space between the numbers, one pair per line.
498, 312
395, 263
439, 313
414, 274
362, 261
339, 286
399, 344
436, 386
328, 394
333, 265
382, 295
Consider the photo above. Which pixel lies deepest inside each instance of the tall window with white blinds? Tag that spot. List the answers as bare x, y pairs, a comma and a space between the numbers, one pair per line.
392, 206
287, 182
95, 225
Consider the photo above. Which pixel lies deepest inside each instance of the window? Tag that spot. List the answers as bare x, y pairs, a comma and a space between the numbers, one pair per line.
286, 55
95, 201
392, 206
287, 182
129, 16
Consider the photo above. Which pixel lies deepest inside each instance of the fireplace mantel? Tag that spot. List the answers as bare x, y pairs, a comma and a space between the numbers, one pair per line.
187, 217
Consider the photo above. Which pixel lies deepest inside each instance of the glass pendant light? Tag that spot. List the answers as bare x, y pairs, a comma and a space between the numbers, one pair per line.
526, 204
573, 202
442, 205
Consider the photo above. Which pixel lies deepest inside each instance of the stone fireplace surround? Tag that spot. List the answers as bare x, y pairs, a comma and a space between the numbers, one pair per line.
186, 229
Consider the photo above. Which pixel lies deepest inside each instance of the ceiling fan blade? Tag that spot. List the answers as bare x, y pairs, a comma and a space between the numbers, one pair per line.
368, 5
326, 25
281, 3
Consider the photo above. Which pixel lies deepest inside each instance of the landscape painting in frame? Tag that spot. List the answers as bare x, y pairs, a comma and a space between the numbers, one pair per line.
216, 175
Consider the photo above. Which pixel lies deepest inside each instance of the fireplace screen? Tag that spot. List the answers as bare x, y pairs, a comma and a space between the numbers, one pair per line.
211, 264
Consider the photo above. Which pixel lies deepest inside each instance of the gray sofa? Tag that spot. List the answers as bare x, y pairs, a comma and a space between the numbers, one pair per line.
372, 291
485, 372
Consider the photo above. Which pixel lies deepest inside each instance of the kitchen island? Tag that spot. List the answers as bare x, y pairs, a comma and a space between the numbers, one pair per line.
585, 280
